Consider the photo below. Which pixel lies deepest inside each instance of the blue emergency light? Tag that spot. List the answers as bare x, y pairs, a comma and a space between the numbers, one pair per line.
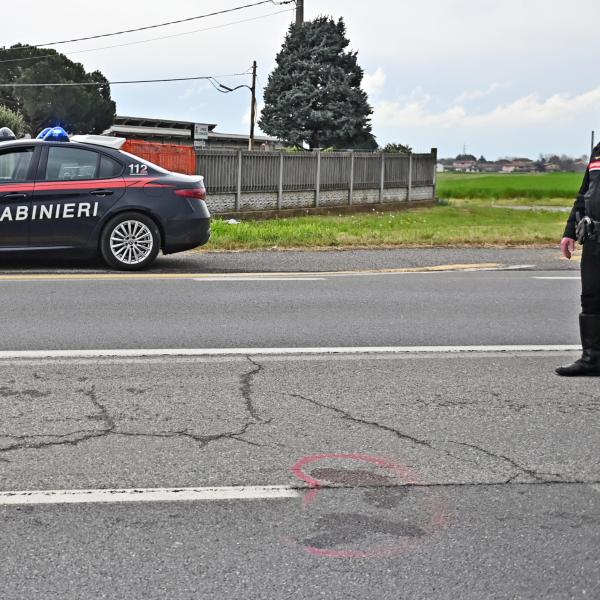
53, 134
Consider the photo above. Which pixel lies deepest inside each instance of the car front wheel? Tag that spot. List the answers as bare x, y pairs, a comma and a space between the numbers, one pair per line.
130, 242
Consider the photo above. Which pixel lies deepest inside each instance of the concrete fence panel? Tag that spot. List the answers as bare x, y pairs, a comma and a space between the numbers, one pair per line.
258, 180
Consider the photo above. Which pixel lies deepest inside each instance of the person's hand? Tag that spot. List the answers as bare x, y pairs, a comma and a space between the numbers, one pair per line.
567, 245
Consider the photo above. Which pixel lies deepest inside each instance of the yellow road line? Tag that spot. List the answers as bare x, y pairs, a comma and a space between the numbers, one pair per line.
225, 276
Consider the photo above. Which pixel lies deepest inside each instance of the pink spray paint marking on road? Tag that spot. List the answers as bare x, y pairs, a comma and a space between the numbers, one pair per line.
436, 521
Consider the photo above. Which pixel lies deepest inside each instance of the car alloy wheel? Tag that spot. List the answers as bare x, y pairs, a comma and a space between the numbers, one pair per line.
131, 242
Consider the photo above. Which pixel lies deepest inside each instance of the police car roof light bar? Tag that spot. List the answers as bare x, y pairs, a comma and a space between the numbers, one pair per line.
53, 134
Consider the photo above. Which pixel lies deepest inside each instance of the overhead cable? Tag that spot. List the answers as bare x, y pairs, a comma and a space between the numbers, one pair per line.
156, 26
164, 37
210, 78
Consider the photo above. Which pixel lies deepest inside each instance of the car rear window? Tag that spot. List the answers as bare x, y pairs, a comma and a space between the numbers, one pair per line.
109, 168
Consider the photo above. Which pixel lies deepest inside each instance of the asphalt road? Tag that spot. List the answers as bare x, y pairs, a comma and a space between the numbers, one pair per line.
407, 476
445, 308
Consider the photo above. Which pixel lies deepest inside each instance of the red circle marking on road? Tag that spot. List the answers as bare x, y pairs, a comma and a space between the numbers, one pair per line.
437, 521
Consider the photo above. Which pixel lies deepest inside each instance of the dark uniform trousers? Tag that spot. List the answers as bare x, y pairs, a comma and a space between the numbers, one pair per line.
588, 204
590, 278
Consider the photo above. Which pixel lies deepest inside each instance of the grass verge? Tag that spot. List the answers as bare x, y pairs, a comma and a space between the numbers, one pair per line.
460, 224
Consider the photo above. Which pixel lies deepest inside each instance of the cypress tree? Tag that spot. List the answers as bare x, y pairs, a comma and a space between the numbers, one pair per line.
314, 94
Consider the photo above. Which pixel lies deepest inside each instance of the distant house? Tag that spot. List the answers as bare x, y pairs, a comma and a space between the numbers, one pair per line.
440, 167
464, 166
488, 167
517, 165
552, 168
523, 165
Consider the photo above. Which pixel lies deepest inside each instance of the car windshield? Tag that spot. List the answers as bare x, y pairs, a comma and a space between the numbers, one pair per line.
142, 161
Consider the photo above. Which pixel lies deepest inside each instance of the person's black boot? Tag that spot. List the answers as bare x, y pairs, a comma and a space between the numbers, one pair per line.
589, 363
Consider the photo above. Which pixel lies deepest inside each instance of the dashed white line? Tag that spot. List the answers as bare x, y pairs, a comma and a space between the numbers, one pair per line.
201, 352
114, 496
278, 279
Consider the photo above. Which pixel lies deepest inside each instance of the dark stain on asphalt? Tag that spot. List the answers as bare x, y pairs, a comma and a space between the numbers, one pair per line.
351, 477
347, 528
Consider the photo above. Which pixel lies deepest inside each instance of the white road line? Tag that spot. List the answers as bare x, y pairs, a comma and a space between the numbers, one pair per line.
110, 496
577, 278
278, 279
157, 352
518, 267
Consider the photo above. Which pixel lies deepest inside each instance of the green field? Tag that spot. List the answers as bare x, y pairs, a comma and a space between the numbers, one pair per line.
533, 186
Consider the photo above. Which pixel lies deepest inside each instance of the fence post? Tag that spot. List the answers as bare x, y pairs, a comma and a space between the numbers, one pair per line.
280, 189
238, 195
351, 187
382, 179
410, 174
434, 155
318, 182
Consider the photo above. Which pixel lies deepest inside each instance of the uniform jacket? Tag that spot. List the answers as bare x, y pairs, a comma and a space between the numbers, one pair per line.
587, 202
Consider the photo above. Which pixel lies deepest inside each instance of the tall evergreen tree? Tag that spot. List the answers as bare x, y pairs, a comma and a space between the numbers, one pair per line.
314, 94
85, 109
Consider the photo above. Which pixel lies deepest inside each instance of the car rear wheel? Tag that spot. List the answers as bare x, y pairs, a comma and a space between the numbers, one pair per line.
130, 242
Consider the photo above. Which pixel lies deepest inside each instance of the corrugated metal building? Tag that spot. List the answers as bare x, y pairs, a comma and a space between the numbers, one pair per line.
165, 131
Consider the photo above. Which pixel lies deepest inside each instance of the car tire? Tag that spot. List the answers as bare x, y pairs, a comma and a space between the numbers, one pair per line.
130, 241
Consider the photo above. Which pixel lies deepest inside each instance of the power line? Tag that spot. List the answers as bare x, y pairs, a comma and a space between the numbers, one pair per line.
101, 83
164, 37
103, 35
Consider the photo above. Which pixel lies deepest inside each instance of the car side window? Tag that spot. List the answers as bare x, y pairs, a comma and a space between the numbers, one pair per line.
109, 168
14, 165
70, 164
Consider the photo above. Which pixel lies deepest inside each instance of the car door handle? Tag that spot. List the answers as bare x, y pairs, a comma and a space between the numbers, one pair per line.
16, 196
102, 193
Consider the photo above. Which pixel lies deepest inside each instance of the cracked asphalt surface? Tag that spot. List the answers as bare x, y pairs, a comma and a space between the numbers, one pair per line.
439, 476
496, 487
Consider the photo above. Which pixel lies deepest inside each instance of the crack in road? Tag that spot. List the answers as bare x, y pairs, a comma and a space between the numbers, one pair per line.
522, 470
404, 436
246, 389
74, 438
538, 475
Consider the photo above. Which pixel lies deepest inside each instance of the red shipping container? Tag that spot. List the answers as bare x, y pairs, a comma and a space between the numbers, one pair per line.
179, 159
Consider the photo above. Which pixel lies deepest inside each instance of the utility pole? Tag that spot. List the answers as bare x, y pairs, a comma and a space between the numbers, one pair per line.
593, 144
252, 107
299, 12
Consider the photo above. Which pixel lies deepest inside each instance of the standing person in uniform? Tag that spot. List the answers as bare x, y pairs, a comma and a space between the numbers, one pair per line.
583, 226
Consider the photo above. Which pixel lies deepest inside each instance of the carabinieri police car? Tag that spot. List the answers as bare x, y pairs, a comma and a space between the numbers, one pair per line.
85, 195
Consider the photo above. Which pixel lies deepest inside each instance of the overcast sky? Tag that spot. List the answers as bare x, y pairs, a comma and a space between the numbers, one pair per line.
516, 77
